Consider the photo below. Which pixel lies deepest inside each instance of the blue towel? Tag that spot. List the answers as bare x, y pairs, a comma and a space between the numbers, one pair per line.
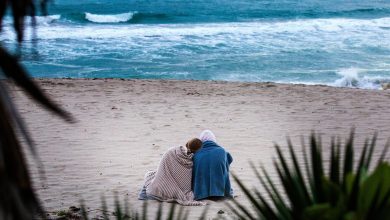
211, 172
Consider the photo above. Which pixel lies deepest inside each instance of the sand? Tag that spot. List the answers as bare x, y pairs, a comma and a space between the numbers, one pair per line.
124, 126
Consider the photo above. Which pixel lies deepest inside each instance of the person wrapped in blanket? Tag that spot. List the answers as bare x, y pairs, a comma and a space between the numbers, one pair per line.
171, 182
211, 170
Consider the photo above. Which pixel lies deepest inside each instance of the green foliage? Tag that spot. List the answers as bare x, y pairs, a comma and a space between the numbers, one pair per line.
62, 213
311, 193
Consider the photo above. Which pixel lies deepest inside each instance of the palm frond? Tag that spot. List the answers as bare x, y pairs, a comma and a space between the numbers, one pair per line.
16, 72
18, 199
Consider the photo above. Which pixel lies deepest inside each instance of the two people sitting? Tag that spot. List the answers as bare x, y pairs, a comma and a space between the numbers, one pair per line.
187, 175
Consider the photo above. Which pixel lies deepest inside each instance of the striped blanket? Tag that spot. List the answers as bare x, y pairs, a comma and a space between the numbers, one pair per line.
172, 180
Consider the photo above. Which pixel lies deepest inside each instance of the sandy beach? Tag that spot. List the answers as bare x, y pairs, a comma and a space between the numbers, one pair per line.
124, 126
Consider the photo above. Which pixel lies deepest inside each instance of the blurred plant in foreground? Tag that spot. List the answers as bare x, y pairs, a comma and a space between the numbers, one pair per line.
124, 212
17, 197
314, 194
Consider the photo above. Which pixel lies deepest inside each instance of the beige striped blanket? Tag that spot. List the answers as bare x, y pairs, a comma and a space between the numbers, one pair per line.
172, 180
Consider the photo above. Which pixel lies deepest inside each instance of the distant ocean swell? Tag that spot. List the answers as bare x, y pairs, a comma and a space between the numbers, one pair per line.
131, 17
150, 17
86, 17
139, 18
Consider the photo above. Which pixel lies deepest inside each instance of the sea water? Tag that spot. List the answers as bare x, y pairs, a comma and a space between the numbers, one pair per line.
333, 42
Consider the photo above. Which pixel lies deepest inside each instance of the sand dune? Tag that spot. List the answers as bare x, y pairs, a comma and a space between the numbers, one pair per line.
124, 126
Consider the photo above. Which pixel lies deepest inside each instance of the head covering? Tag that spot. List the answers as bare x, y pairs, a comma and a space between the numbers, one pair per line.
207, 135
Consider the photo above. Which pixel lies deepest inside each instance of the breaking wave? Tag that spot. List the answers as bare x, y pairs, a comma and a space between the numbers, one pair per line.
114, 18
352, 77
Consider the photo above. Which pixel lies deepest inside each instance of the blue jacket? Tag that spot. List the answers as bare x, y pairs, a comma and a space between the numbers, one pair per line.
211, 171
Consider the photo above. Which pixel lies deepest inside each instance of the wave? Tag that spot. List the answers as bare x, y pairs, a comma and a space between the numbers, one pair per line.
351, 77
113, 18
224, 16
334, 30
130, 17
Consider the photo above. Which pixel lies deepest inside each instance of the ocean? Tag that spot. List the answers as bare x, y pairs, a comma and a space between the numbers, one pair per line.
336, 42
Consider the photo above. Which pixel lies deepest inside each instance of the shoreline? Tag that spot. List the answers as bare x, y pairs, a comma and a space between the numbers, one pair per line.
124, 126
384, 85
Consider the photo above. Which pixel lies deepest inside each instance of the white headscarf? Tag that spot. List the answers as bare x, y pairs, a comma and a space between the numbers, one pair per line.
207, 135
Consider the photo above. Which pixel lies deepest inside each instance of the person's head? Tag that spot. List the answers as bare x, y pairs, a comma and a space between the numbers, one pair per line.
207, 135
194, 145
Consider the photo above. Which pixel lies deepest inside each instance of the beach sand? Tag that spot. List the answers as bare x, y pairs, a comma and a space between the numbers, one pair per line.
124, 126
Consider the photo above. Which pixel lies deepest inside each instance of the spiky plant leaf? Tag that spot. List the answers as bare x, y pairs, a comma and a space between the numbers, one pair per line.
180, 213
294, 189
238, 213
298, 173
144, 210
84, 211
273, 187
384, 152
337, 195
317, 169
348, 158
322, 211
371, 151
104, 209
273, 193
335, 162
258, 206
374, 190
171, 214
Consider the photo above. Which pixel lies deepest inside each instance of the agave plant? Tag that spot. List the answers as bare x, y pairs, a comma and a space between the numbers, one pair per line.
17, 197
310, 192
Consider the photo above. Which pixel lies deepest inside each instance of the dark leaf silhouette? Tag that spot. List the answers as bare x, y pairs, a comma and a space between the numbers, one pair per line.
17, 197
346, 193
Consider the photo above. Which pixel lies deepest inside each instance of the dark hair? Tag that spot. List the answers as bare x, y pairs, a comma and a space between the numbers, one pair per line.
194, 145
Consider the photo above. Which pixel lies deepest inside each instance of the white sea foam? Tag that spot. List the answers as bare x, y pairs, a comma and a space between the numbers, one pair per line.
353, 77
254, 40
350, 78
271, 34
47, 19
115, 18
